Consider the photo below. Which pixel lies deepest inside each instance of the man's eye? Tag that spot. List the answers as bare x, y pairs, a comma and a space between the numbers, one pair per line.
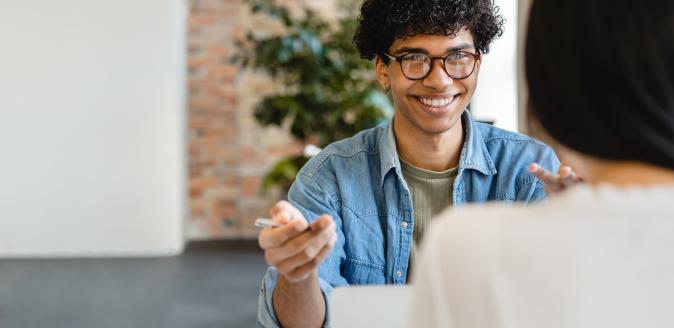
457, 55
415, 57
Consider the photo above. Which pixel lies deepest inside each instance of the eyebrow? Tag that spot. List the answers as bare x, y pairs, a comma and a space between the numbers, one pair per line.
462, 46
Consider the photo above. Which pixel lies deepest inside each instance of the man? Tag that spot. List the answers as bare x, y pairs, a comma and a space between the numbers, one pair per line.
359, 208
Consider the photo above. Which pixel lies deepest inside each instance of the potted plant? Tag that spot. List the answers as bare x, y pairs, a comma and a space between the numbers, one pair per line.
329, 92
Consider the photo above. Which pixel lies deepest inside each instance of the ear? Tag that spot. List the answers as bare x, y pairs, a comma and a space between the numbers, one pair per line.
381, 69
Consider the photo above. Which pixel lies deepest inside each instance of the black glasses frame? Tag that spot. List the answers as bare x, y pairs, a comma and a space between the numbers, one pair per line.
399, 59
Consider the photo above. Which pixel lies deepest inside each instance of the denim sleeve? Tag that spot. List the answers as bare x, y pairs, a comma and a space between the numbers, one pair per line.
549, 160
313, 201
531, 192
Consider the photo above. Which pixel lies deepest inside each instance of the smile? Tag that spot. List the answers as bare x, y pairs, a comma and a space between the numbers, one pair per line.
436, 102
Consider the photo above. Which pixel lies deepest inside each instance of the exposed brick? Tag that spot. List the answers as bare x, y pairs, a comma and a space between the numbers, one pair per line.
201, 19
285, 150
249, 155
226, 209
250, 186
198, 185
249, 212
228, 153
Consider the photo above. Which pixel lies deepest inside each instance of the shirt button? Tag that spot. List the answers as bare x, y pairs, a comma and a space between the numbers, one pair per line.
399, 274
404, 225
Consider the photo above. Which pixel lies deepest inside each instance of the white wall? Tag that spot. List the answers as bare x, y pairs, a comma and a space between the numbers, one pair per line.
523, 90
496, 96
91, 127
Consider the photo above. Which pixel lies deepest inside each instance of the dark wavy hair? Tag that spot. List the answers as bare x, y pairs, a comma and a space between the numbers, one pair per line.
381, 22
601, 77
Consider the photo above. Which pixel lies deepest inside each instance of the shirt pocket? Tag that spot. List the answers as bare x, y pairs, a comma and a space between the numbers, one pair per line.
359, 272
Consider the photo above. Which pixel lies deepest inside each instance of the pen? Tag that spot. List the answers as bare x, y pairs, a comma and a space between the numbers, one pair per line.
266, 223
269, 223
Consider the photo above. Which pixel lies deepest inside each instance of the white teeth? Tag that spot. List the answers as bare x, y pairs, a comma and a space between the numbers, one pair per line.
435, 102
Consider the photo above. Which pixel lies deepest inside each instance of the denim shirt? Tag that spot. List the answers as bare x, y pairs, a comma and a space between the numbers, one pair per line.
358, 181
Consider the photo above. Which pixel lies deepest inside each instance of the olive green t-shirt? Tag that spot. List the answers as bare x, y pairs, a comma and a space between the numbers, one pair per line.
431, 193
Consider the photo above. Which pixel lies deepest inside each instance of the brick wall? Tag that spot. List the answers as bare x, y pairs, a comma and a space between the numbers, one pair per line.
228, 152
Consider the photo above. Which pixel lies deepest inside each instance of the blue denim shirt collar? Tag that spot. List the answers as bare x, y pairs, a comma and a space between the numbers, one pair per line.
474, 154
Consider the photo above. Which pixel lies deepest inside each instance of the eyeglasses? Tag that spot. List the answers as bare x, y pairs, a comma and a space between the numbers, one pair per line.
417, 66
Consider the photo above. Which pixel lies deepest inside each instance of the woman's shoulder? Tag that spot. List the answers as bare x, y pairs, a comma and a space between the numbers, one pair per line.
482, 226
579, 214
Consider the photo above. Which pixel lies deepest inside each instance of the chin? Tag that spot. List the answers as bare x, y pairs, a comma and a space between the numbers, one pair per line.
435, 128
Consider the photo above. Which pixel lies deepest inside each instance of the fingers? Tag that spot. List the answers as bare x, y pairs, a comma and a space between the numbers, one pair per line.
301, 249
535, 168
550, 182
564, 178
322, 222
275, 237
567, 177
283, 212
543, 174
305, 270
296, 248
293, 223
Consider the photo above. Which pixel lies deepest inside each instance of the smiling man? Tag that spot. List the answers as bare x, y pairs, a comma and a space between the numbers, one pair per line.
358, 209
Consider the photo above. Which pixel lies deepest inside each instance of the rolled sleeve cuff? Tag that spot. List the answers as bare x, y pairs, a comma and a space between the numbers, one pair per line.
266, 317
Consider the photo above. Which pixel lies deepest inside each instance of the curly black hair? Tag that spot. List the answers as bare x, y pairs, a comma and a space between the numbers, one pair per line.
381, 22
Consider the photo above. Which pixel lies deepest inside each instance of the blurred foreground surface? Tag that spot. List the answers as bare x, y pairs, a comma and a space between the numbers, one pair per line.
213, 284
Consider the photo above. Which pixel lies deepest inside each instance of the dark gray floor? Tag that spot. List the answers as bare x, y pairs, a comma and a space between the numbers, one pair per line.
213, 284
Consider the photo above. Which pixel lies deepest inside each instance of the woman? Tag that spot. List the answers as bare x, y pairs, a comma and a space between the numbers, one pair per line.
601, 254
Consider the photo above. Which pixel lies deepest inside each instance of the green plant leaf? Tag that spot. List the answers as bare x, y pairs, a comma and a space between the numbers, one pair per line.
329, 92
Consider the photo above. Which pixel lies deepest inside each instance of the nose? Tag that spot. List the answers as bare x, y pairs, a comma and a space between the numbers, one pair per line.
437, 78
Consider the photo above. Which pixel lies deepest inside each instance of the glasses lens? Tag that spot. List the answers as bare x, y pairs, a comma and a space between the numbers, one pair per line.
459, 64
415, 65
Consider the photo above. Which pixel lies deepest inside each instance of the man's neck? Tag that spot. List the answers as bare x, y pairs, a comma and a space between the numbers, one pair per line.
434, 152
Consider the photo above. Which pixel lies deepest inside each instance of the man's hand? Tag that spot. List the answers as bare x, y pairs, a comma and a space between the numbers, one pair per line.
296, 248
555, 183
